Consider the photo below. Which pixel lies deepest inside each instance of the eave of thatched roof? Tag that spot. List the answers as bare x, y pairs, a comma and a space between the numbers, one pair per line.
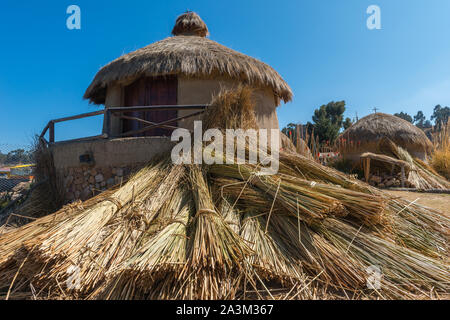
373, 127
191, 56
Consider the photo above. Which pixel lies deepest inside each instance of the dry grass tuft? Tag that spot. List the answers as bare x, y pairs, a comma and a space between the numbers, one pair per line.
231, 109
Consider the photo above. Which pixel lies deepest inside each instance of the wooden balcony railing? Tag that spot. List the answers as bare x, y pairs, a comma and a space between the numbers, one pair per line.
118, 112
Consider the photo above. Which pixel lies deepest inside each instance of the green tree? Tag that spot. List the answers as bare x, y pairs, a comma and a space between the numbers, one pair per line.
440, 116
419, 119
427, 124
404, 116
347, 123
328, 120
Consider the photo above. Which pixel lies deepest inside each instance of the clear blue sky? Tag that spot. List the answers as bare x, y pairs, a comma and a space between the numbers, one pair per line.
322, 48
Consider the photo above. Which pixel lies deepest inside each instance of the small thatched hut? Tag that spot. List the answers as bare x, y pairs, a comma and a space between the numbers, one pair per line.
365, 134
180, 75
186, 69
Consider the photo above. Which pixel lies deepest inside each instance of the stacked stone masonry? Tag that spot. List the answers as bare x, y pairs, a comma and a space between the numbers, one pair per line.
85, 182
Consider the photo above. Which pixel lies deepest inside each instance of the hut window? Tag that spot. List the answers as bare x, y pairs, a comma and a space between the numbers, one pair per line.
151, 91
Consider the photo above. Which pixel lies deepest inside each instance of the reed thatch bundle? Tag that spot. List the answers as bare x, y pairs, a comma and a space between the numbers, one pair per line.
231, 109
404, 270
420, 175
164, 250
227, 232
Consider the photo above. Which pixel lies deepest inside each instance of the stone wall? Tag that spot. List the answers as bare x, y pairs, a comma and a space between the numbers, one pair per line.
384, 180
84, 182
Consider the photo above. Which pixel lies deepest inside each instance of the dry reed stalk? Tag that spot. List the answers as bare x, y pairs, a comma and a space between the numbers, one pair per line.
417, 228
299, 166
431, 176
420, 176
367, 208
271, 260
101, 238
243, 196
403, 270
163, 251
14, 241
215, 252
311, 205
317, 256
172, 287
231, 215
205, 273
206, 249
329, 252
13, 252
231, 109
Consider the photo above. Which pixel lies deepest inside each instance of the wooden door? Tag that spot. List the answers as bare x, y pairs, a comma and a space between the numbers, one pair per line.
151, 91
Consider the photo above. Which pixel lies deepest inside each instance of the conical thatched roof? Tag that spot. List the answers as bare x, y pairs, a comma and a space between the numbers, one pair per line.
190, 53
370, 129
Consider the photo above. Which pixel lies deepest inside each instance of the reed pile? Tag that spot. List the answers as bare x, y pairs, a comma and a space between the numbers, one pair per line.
227, 232
420, 174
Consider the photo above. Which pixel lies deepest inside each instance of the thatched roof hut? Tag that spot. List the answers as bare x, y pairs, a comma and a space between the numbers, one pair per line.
364, 135
187, 68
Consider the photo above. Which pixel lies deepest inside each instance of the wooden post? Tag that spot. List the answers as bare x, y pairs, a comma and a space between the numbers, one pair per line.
366, 164
403, 176
51, 134
108, 122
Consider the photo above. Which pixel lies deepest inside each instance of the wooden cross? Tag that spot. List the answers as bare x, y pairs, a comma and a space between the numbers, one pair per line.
375, 109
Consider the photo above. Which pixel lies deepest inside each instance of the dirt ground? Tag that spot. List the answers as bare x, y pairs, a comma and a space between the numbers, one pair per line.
440, 202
